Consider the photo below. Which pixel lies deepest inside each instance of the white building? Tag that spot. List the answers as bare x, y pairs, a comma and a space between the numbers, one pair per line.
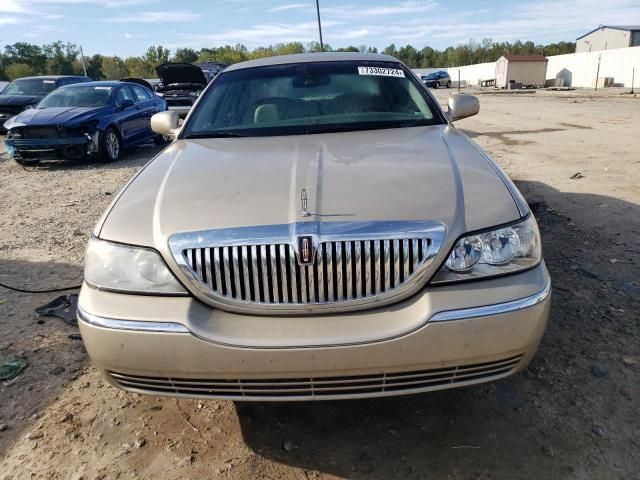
607, 37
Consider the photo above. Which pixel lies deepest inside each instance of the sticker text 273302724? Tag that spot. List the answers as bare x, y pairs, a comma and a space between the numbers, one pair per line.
381, 71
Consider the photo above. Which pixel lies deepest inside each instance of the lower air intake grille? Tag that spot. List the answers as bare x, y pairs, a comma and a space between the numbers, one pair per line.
319, 387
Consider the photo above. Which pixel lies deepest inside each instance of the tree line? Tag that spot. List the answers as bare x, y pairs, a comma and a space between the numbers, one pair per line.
24, 59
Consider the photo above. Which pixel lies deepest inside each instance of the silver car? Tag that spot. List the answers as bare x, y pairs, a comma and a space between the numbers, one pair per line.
318, 229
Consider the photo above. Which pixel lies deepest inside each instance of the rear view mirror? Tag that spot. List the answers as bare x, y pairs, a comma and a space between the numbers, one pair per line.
166, 123
311, 80
462, 106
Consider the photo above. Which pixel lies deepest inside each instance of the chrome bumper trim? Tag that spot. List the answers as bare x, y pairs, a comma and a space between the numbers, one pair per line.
445, 316
496, 309
140, 326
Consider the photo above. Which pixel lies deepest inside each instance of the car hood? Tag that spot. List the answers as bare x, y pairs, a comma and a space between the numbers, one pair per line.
55, 116
416, 174
20, 99
176, 73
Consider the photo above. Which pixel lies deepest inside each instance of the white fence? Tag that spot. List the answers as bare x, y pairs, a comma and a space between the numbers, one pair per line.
577, 69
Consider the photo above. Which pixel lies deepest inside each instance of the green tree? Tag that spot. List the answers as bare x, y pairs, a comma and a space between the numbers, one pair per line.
137, 67
185, 55
61, 57
18, 70
114, 68
26, 53
390, 50
94, 67
155, 56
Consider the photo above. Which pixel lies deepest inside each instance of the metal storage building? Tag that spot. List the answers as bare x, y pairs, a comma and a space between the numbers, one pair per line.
529, 70
606, 37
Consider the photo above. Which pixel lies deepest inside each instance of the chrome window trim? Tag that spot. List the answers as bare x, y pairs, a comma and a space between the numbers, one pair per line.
496, 309
135, 325
320, 232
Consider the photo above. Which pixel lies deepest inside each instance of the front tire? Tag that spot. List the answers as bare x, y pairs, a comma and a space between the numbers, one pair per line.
110, 145
437, 85
449, 84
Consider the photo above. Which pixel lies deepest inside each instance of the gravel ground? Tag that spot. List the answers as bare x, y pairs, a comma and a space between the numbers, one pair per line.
572, 415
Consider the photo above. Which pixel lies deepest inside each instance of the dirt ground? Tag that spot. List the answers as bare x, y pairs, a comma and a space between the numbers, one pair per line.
572, 415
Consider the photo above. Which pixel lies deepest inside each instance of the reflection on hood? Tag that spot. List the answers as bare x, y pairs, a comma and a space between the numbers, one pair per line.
55, 116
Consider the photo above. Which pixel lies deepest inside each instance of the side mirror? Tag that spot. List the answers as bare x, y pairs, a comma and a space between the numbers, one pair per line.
166, 123
462, 106
124, 104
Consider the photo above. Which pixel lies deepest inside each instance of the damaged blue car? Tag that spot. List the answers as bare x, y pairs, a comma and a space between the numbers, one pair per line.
85, 120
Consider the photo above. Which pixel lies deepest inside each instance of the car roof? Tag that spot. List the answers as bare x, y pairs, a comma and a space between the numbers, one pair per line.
50, 77
313, 57
103, 83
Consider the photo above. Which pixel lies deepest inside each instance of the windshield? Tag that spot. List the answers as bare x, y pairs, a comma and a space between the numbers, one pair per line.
35, 86
431, 76
311, 98
75, 96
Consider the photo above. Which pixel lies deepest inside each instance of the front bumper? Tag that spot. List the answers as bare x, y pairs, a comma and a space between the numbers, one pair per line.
50, 148
435, 340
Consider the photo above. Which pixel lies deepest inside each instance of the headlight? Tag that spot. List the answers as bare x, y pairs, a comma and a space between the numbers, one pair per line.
496, 252
112, 266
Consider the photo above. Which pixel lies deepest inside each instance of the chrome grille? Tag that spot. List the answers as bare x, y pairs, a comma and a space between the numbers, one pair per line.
352, 264
377, 384
347, 270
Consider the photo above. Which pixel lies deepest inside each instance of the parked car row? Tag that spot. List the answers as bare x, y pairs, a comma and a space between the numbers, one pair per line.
24, 93
73, 117
86, 119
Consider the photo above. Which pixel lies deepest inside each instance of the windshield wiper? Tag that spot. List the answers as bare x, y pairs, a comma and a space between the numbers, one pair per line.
214, 135
368, 126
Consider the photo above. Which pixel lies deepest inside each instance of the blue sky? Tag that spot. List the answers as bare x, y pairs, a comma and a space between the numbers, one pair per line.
128, 27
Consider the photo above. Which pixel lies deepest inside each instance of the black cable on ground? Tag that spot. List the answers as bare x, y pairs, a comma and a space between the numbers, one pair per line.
52, 290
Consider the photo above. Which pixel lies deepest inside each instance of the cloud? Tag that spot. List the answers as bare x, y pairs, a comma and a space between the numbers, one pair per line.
103, 3
401, 8
290, 6
10, 21
542, 21
154, 17
262, 34
134, 35
12, 6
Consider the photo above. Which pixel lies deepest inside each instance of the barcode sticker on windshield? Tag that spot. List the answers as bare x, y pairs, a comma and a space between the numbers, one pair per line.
381, 71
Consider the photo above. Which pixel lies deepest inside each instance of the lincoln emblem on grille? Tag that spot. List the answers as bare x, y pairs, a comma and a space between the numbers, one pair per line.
305, 250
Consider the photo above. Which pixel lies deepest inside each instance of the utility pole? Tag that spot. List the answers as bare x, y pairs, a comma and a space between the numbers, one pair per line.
319, 25
598, 70
633, 77
82, 59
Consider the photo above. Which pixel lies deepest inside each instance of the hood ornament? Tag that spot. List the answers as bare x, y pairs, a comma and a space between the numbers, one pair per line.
305, 201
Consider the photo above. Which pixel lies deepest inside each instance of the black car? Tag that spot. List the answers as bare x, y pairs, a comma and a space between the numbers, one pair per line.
25, 93
437, 79
181, 85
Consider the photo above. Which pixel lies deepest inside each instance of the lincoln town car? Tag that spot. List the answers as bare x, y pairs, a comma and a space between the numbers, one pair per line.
317, 229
